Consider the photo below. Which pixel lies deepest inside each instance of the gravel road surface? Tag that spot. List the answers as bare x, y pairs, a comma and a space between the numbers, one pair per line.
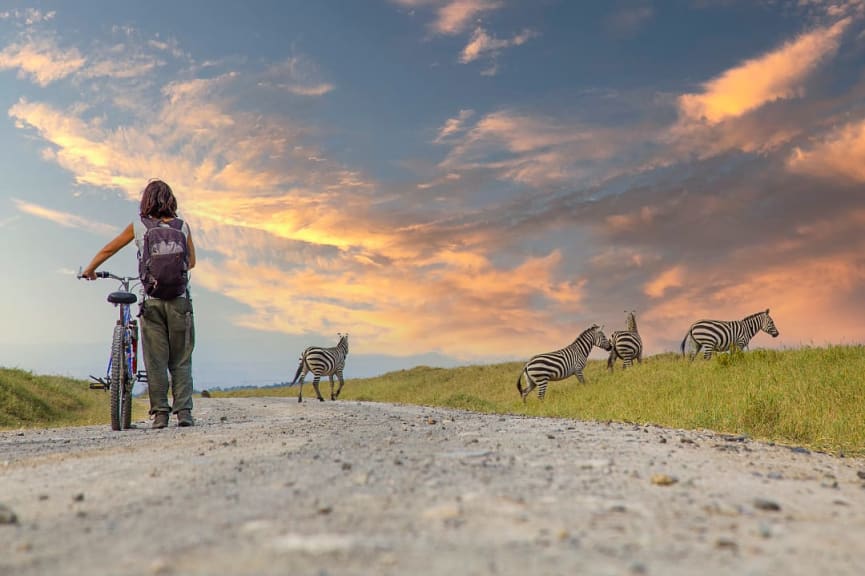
270, 486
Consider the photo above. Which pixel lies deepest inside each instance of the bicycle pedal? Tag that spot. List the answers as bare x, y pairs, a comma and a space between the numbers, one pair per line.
98, 386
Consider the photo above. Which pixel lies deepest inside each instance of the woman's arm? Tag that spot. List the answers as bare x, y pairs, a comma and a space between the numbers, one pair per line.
191, 248
108, 251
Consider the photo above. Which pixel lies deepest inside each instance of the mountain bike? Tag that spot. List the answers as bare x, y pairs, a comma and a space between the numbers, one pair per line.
122, 372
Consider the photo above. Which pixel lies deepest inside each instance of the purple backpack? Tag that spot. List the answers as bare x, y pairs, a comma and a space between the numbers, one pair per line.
163, 262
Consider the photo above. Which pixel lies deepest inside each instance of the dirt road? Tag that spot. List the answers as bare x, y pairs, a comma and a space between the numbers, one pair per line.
270, 486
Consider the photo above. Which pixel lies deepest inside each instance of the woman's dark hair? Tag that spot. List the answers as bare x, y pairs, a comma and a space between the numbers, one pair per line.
158, 201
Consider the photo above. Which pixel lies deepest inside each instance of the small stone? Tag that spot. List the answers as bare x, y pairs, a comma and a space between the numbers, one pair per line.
799, 450
663, 480
766, 504
43, 497
7, 516
765, 530
861, 474
431, 421
325, 510
346, 466
726, 544
79, 497
662, 440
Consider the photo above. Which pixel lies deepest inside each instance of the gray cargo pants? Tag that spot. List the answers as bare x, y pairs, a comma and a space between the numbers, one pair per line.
168, 337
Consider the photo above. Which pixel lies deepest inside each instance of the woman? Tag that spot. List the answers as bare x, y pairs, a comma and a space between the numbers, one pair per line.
167, 327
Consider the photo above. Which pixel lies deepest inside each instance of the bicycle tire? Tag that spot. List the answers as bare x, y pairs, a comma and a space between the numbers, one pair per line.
120, 399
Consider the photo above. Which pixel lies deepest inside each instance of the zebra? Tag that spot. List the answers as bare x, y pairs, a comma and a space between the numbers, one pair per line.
558, 365
322, 362
719, 336
626, 344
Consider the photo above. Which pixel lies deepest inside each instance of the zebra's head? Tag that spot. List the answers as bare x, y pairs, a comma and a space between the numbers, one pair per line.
600, 339
343, 341
768, 325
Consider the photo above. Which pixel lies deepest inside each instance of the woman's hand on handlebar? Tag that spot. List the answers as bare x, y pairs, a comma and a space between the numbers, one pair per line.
88, 274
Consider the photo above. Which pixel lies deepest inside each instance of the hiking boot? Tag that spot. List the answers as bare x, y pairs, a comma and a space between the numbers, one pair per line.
184, 418
160, 420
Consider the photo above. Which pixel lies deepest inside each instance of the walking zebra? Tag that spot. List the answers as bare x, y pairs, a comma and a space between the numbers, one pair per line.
626, 344
322, 362
558, 365
719, 336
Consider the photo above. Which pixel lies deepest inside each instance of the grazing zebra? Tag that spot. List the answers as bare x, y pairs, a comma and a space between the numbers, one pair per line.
719, 336
560, 364
322, 362
626, 344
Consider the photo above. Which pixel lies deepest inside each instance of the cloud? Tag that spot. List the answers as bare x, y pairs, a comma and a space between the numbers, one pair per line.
777, 75
28, 16
453, 126
482, 44
533, 150
839, 153
41, 60
453, 16
65, 219
297, 75
669, 278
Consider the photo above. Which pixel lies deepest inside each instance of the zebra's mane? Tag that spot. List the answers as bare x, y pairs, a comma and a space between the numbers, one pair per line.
754, 315
591, 328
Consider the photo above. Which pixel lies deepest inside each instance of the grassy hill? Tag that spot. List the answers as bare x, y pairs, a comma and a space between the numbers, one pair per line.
811, 397
28, 400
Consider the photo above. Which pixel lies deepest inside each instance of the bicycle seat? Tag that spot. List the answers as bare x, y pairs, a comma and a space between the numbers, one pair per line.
122, 298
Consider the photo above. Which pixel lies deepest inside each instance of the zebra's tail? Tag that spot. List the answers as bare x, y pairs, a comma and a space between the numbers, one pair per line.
520, 388
299, 371
685, 341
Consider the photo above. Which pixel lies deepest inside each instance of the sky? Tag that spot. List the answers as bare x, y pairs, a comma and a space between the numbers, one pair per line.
448, 181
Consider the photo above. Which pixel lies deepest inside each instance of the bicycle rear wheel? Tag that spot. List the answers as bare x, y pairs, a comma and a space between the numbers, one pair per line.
119, 391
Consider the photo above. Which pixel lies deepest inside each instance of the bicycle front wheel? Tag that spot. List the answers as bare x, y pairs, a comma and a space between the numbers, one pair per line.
120, 393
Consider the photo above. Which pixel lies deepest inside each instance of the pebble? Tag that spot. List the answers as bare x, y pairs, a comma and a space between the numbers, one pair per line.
7, 516
766, 504
726, 544
663, 480
861, 474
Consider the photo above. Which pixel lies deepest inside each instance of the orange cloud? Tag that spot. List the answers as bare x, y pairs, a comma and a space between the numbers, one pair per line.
41, 60
780, 74
65, 219
670, 278
840, 153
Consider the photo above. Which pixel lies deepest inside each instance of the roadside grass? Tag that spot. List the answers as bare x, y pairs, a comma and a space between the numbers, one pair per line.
812, 397
32, 401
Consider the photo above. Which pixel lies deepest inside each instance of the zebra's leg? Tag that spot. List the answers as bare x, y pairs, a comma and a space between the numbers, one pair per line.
341, 382
542, 389
628, 362
612, 359
579, 374
707, 352
315, 385
300, 392
332, 397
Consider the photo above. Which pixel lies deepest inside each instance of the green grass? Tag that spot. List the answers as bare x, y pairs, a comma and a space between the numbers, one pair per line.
812, 397
31, 401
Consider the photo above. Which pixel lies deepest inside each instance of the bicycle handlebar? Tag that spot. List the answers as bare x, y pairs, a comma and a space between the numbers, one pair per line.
105, 274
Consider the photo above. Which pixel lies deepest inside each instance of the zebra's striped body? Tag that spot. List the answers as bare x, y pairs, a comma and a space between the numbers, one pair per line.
322, 362
558, 365
626, 344
719, 336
